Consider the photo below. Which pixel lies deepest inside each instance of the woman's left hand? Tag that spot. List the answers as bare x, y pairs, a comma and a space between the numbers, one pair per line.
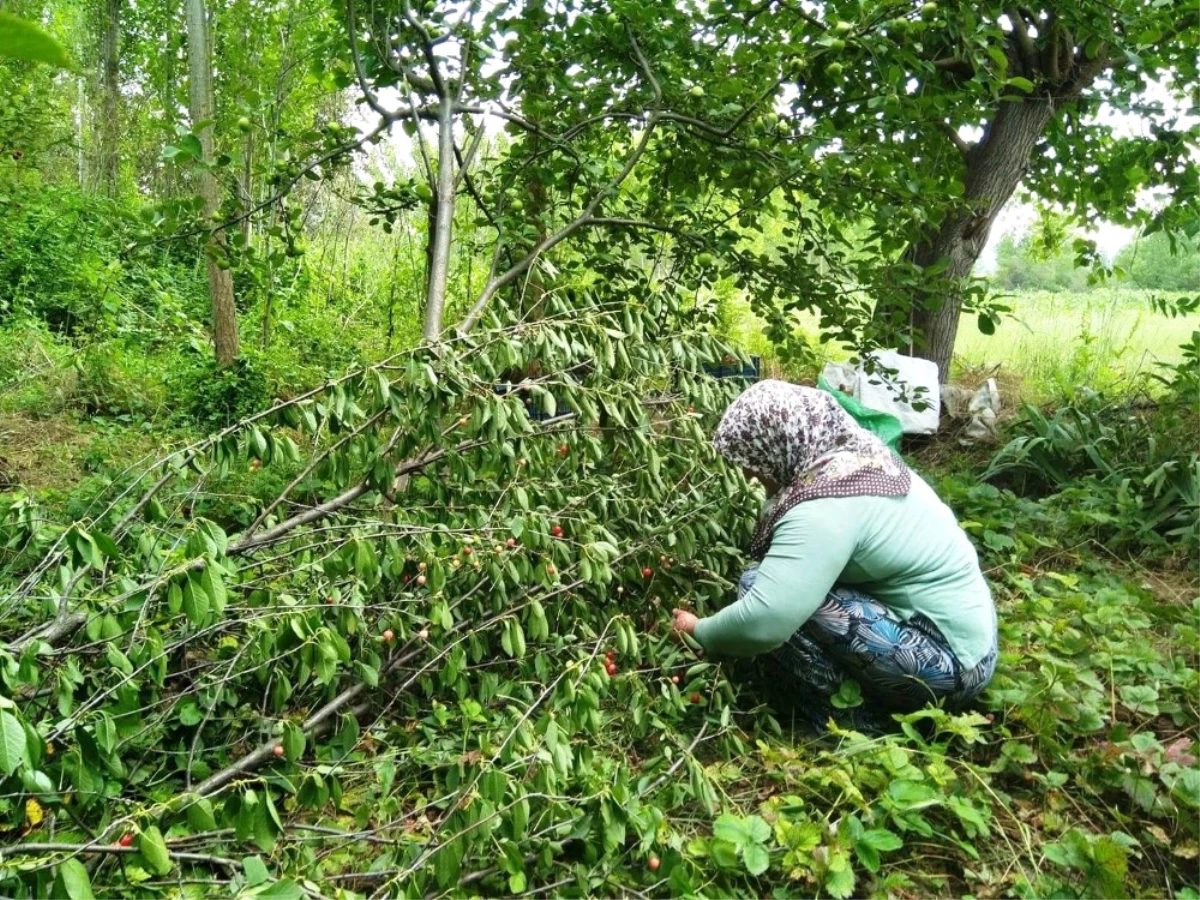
684, 621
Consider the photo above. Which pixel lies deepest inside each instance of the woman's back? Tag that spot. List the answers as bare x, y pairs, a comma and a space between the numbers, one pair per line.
908, 552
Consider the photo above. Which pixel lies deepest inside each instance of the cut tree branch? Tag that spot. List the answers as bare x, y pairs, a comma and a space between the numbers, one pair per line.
182, 856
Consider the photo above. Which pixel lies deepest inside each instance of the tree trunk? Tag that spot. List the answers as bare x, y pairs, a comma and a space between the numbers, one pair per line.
994, 168
200, 101
110, 126
439, 241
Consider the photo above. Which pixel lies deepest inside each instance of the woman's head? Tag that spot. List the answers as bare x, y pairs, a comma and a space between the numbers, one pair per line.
802, 445
776, 431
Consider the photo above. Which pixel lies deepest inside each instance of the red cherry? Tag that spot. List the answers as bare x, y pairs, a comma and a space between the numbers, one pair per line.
423, 634
674, 679
647, 572
695, 698
329, 600
610, 654
467, 551
512, 542
563, 449
277, 750
389, 634
653, 863
126, 840
991, 717
421, 579
691, 409
464, 421
556, 531
611, 668
550, 570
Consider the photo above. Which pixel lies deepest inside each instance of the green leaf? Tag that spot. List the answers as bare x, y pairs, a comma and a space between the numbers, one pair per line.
13, 747
285, 889
73, 881
867, 855
839, 880
154, 850
1021, 84
910, 793
21, 39
724, 853
987, 325
1187, 787
758, 829
756, 858
293, 741
848, 696
882, 839
256, 870
731, 828
1140, 698
200, 816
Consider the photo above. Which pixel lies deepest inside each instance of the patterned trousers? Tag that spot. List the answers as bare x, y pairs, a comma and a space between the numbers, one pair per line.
900, 666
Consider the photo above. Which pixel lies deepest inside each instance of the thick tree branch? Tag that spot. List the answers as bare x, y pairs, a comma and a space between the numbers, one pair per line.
954, 66
359, 72
1025, 45
644, 65
427, 43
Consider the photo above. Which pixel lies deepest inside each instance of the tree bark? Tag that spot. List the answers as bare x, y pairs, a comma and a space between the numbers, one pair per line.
200, 101
110, 127
994, 168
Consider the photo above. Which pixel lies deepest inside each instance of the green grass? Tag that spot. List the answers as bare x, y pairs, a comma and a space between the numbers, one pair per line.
1048, 346
1055, 342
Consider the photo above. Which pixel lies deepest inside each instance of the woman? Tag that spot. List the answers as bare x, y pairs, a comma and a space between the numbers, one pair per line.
861, 571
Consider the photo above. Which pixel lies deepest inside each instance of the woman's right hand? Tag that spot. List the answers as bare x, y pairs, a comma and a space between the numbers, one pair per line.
684, 622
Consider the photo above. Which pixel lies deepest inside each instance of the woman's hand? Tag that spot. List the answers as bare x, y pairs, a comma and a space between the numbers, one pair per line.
684, 621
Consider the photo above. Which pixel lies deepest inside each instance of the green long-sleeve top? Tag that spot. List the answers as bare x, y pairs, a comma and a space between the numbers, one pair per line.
907, 552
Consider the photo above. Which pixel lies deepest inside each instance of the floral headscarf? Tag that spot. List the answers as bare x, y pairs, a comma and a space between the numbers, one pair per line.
806, 443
